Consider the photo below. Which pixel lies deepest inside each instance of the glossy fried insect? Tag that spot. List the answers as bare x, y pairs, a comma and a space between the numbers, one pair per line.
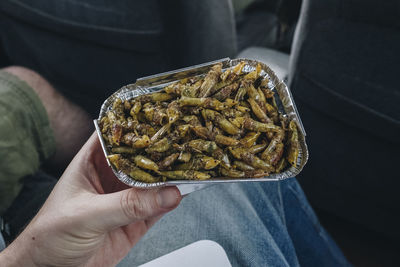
224, 124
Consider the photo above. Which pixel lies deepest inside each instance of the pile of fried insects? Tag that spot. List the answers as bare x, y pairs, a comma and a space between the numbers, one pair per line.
224, 124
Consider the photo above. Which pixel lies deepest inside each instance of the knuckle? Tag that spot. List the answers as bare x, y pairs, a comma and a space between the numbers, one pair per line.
136, 206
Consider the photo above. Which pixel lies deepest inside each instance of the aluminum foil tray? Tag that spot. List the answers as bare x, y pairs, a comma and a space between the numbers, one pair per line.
157, 82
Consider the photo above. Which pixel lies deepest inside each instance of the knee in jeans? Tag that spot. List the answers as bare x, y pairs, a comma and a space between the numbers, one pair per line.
32, 78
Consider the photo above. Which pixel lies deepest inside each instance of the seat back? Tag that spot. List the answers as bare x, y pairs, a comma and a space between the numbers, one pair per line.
344, 72
90, 48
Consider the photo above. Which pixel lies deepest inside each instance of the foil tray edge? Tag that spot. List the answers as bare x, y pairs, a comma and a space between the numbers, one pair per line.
157, 82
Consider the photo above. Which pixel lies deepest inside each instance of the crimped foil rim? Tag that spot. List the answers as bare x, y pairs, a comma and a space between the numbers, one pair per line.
157, 82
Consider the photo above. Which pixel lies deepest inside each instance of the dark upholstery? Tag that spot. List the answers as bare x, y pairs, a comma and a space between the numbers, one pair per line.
90, 48
256, 28
344, 74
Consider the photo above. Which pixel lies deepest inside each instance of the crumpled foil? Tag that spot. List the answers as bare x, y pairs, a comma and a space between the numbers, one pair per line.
157, 82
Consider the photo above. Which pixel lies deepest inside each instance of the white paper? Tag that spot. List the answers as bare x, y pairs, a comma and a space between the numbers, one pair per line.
199, 254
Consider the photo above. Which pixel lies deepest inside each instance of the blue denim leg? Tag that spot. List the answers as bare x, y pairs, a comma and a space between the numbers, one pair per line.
2, 243
258, 224
314, 246
246, 220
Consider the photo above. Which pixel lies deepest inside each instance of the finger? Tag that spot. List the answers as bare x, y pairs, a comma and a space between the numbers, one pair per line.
92, 143
91, 151
87, 154
134, 232
107, 178
131, 205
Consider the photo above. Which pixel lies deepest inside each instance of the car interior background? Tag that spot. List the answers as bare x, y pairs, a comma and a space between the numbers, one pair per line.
340, 58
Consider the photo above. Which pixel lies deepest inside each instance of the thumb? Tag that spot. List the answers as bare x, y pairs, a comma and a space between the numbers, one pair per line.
131, 205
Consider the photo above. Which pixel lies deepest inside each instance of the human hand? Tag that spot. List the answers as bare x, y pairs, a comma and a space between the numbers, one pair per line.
90, 218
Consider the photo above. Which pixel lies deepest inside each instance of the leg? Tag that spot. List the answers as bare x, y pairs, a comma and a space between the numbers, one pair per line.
71, 124
248, 220
229, 215
37, 125
26, 138
314, 246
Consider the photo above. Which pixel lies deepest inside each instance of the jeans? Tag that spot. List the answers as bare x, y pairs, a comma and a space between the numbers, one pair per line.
2, 243
258, 224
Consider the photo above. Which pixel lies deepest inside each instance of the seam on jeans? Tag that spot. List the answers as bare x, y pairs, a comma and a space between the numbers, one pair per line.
320, 230
304, 207
264, 225
282, 208
77, 24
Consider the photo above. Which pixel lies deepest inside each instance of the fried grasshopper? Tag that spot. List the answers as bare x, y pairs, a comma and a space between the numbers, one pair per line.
223, 124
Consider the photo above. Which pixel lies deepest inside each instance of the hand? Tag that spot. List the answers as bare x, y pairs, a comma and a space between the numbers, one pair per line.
90, 218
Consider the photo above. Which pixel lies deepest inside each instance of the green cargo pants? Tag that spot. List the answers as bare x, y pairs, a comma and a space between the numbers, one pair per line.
26, 138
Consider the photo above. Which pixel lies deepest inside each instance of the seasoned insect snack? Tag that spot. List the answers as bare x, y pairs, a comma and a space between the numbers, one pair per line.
225, 124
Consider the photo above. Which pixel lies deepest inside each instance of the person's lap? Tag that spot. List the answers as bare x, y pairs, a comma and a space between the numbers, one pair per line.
258, 224
268, 223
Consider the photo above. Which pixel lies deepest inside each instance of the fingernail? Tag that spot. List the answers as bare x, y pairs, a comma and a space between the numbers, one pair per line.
167, 197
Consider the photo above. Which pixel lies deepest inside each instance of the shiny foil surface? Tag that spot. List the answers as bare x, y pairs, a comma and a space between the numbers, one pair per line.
154, 83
